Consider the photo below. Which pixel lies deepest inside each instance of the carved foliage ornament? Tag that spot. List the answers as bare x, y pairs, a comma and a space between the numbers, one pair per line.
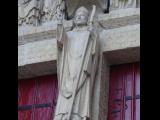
35, 12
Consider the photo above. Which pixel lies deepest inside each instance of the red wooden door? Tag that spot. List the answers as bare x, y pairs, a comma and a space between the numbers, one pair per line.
37, 98
124, 93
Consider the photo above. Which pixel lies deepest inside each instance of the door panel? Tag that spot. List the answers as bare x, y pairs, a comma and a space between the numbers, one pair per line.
26, 89
25, 115
137, 85
46, 90
37, 98
124, 92
115, 95
43, 114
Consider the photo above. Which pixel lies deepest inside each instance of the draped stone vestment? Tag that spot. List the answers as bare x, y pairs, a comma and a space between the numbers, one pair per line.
78, 55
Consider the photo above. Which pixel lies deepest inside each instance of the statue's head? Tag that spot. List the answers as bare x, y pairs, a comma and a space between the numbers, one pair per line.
81, 16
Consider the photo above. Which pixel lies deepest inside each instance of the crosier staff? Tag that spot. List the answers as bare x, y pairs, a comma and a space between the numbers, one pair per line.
76, 84
90, 23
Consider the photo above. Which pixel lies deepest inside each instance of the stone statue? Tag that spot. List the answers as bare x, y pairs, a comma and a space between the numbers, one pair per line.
120, 4
29, 12
77, 62
53, 10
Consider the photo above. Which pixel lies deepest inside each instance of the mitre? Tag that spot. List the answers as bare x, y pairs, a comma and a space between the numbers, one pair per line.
82, 9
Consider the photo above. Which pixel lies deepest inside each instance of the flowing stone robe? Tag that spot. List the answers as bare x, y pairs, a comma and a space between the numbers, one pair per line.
77, 55
121, 4
29, 11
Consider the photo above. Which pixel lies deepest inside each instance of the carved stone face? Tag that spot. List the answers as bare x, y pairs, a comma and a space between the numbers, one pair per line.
81, 16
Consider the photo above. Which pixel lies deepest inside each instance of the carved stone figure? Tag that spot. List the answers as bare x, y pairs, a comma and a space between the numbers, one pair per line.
29, 12
77, 62
120, 4
35, 12
53, 10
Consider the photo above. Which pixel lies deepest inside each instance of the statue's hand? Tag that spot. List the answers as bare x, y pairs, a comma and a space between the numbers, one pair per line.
59, 35
90, 28
59, 22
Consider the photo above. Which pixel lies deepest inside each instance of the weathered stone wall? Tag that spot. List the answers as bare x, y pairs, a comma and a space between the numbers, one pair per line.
36, 52
101, 87
96, 91
104, 89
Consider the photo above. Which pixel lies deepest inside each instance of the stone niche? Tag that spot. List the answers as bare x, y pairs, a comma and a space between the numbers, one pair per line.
72, 5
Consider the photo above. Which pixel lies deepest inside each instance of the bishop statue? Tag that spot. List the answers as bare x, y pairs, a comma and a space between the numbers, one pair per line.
77, 62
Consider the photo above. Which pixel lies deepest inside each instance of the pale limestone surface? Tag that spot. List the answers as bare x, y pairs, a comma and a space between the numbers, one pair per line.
47, 31
104, 88
125, 55
120, 38
101, 90
120, 13
36, 52
119, 18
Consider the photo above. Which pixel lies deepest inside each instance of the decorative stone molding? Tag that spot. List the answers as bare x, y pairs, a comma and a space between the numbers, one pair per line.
119, 18
47, 31
104, 88
37, 69
126, 55
120, 38
117, 39
36, 52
